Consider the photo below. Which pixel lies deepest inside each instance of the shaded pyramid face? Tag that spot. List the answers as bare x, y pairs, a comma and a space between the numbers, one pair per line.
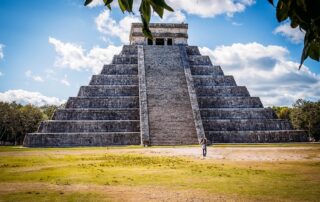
162, 95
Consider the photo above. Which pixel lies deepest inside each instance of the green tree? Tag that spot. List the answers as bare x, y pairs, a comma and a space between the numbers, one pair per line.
282, 112
48, 111
306, 116
17, 120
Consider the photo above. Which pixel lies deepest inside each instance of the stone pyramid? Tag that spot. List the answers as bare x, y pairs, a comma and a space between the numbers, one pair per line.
162, 92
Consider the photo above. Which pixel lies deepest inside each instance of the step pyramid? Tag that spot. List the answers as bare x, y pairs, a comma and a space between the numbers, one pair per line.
162, 95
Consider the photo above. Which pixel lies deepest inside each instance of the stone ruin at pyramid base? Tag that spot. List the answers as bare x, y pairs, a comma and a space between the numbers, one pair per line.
162, 92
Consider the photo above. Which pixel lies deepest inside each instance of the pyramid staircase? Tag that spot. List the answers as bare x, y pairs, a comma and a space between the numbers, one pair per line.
106, 112
229, 114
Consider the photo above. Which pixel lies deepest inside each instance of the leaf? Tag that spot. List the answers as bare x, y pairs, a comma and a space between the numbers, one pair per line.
159, 10
145, 28
107, 3
125, 5
271, 2
145, 10
87, 2
162, 4
282, 11
314, 51
305, 50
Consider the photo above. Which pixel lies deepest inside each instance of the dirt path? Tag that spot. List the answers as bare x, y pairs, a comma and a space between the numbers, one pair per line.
215, 153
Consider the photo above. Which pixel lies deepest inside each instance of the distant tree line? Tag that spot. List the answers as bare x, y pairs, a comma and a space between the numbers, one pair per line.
304, 115
17, 120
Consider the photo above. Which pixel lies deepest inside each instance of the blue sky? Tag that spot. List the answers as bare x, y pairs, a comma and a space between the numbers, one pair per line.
48, 50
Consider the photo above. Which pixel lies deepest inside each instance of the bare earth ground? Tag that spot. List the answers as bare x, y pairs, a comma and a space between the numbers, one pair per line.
257, 153
222, 154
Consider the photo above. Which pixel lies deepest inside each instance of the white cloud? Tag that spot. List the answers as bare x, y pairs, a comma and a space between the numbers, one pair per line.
1, 74
28, 97
29, 74
73, 56
294, 35
1, 51
65, 81
210, 8
170, 17
108, 26
267, 72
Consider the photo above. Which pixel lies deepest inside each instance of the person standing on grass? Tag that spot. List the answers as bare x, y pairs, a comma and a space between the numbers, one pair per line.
204, 147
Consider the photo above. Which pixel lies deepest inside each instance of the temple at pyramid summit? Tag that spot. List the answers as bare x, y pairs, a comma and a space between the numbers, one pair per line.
162, 92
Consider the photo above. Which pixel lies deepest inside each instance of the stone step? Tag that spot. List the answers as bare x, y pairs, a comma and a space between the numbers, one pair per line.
103, 102
125, 59
199, 60
274, 136
96, 114
67, 126
222, 91
192, 50
205, 80
245, 124
237, 113
81, 139
129, 50
108, 90
206, 70
229, 102
120, 69
175, 141
114, 80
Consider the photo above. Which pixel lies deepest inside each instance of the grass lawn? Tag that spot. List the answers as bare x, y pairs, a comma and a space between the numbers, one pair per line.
143, 174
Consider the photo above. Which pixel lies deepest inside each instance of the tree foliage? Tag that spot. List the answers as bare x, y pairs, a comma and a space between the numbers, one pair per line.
17, 120
282, 112
304, 14
157, 6
305, 115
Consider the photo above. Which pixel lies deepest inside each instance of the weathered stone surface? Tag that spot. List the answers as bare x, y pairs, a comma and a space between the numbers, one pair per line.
120, 69
143, 99
73, 126
225, 91
81, 139
229, 102
269, 136
170, 114
245, 124
199, 60
208, 80
129, 50
192, 50
125, 59
206, 70
96, 114
114, 80
108, 90
237, 113
103, 102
